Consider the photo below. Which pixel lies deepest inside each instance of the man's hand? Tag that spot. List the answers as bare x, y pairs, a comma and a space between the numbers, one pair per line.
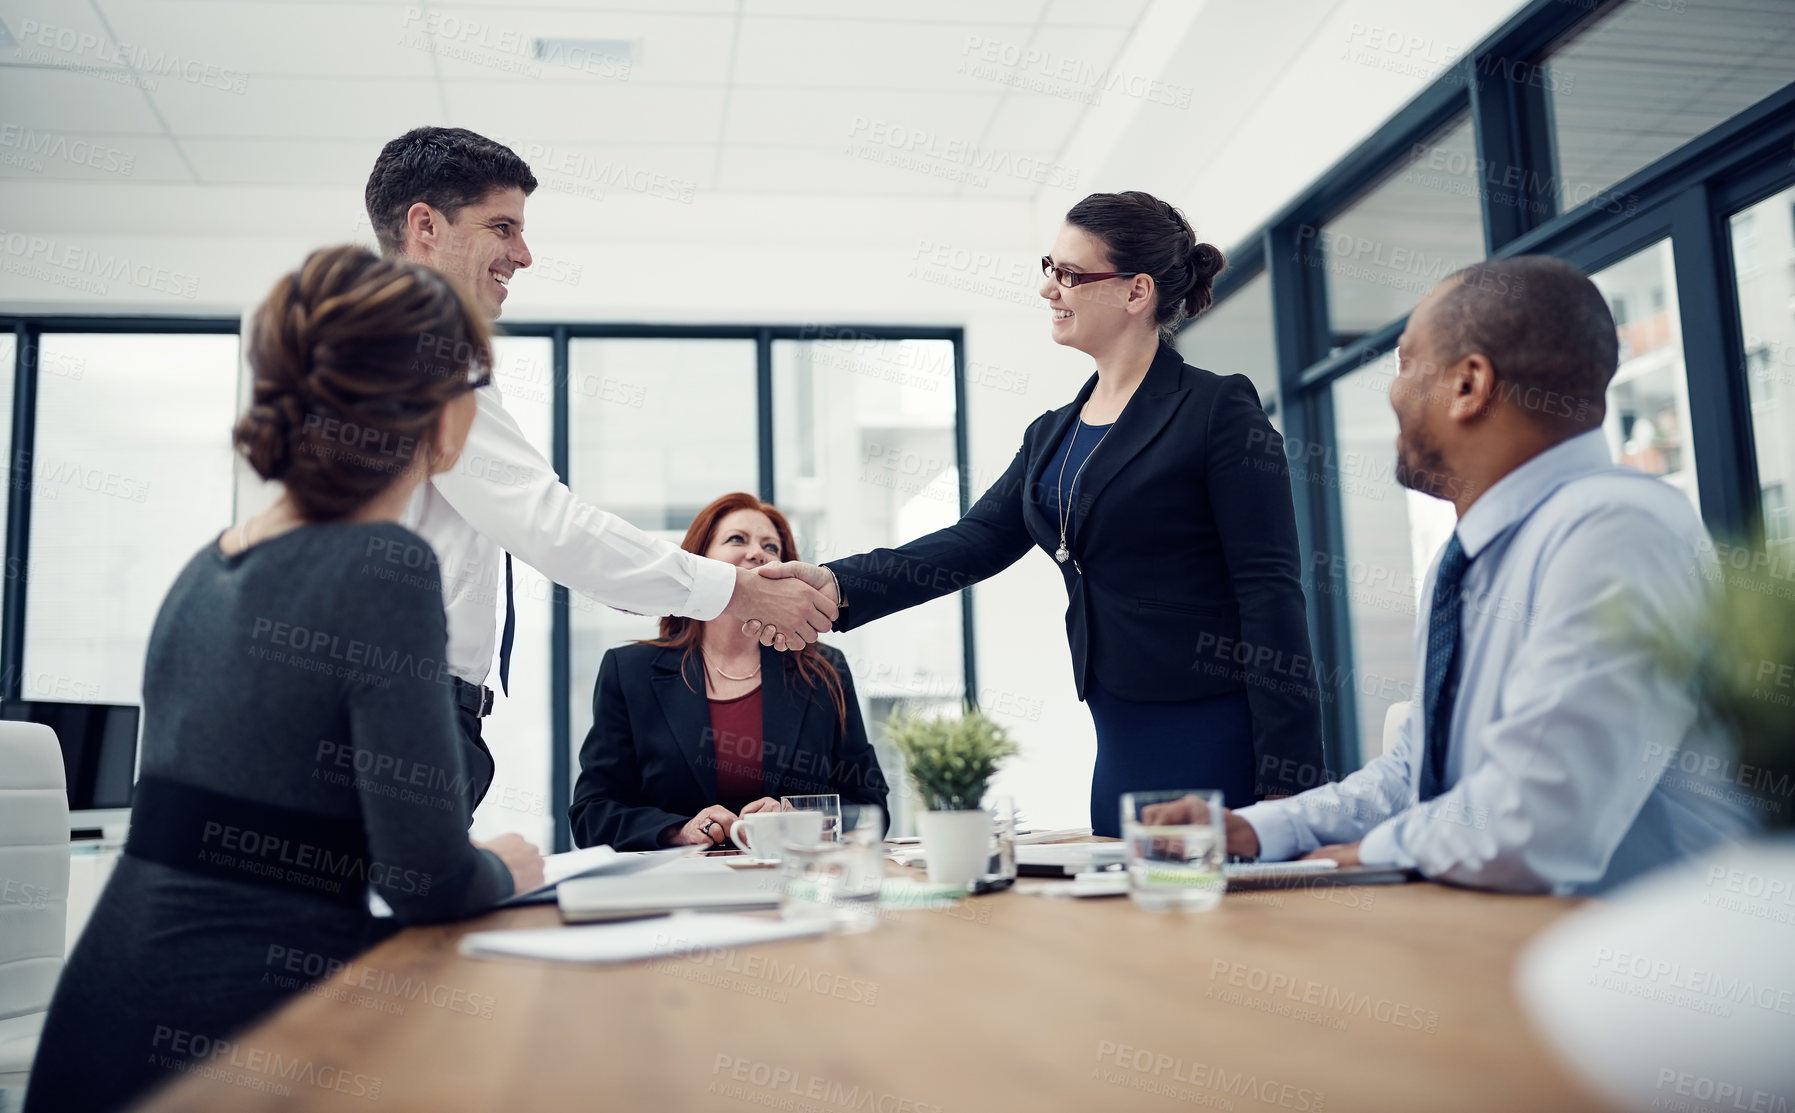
1347, 854
813, 574
781, 608
708, 828
1243, 841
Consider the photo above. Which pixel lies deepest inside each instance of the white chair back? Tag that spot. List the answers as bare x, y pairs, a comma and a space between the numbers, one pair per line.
1393, 724
34, 887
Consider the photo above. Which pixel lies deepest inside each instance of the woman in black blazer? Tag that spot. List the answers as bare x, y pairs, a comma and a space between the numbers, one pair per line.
1163, 494
703, 724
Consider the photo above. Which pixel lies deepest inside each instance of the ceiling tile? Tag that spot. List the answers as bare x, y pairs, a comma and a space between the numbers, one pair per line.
865, 54
904, 121
1102, 13
695, 7
57, 34
171, 38
816, 172
607, 111
295, 162
599, 171
915, 11
1074, 66
74, 100
297, 107
1033, 123
489, 41
30, 154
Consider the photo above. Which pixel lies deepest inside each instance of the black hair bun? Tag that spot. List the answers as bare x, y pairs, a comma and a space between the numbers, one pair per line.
1206, 261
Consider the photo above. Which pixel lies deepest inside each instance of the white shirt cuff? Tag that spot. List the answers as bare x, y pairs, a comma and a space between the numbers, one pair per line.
1277, 835
713, 582
1380, 848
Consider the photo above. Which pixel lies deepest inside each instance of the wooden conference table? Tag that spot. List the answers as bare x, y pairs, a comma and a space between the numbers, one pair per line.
1379, 998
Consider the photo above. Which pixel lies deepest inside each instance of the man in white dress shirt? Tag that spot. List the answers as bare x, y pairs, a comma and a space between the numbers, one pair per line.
454, 201
1547, 748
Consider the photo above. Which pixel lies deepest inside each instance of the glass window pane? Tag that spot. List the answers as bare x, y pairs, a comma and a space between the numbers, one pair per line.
1647, 78
1764, 258
1390, 247
519, 730
1234, 337
658, 429
864, 456
132, 475
1389, 536
1648, 401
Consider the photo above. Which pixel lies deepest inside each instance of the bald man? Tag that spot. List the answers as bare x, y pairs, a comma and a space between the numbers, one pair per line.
1548, 750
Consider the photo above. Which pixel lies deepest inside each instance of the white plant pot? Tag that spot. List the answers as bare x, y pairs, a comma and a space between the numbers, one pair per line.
956, 844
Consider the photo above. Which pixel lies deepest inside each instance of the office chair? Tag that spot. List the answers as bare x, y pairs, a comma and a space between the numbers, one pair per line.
34, 889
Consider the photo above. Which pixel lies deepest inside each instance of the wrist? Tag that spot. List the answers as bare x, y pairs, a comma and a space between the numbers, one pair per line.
737, 607
835, 583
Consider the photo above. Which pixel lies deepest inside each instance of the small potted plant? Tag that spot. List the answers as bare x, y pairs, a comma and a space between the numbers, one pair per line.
1742, 657
950, 761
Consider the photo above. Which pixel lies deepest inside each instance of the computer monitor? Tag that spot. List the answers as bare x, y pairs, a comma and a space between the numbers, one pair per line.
99, 757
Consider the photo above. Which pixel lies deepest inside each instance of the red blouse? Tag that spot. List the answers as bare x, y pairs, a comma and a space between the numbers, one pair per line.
736, 737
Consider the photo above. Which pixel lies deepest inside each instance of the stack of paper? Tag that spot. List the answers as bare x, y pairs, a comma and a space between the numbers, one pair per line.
1024, 838
1069, 858
635, 939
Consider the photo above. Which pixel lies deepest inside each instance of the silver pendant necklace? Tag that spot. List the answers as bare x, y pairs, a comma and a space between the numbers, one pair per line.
1061, 496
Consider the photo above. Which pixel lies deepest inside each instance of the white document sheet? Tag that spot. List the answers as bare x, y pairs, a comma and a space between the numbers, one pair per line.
634, 940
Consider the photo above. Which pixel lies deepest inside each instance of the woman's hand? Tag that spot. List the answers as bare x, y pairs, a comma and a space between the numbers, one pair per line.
708, 828
764, 804
520, 857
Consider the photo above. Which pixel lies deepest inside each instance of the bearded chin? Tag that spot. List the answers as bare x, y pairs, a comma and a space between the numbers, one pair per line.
1419, 467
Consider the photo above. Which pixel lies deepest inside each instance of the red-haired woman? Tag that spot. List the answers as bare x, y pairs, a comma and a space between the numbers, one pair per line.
703, 725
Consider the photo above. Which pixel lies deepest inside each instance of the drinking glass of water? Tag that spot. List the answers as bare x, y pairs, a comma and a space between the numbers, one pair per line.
829, 804
1175, 867
838, 882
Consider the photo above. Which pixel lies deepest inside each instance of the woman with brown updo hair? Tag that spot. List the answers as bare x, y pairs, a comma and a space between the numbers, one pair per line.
703, 724
300, 752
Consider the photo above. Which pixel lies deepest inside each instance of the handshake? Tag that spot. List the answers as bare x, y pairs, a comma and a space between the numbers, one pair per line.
785, 605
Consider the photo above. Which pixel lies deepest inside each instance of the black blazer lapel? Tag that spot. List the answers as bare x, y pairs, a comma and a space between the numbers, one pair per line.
1153, 404
784, 700
682, 700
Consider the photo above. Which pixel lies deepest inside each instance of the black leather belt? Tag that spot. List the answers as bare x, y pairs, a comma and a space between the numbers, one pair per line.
475, 699
199, 831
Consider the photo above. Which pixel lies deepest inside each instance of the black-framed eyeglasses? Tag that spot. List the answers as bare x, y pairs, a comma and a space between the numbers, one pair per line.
1069, 279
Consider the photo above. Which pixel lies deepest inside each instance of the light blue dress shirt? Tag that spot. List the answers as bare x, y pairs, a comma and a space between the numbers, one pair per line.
1574, 760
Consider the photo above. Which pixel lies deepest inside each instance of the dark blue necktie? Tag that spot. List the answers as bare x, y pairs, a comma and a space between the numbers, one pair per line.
1442, 665
510, 634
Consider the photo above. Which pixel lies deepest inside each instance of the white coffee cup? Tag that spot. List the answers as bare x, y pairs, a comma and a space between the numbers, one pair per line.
767, 834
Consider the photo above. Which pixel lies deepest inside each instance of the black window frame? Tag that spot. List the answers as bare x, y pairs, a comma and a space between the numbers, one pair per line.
29, 329
1686, 196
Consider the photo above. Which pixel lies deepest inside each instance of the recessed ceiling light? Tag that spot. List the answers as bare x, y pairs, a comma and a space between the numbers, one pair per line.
581, 54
